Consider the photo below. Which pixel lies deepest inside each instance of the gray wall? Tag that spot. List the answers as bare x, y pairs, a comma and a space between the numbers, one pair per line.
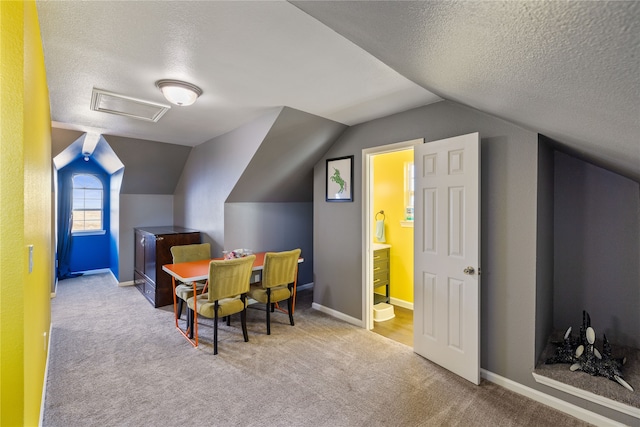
253, 187
140, 210
281, 169
272, 227
210, 174
150, 167
510, 197
597, 250
508, 227
544, 245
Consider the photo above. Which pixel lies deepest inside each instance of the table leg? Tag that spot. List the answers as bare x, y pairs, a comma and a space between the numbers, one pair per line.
175, 304
189, 333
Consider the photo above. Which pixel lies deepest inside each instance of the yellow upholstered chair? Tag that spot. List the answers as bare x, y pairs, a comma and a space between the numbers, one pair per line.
226, 294
188, 253
278, 278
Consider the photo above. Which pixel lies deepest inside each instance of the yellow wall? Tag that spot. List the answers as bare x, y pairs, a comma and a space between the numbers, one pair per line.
25, 215
388, 195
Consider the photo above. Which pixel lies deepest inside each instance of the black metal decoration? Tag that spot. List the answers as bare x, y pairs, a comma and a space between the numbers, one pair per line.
582, 354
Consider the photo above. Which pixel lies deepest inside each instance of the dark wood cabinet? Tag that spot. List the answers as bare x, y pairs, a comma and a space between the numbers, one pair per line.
152, 250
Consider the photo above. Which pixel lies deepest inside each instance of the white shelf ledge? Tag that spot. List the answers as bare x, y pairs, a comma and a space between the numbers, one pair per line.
587, 395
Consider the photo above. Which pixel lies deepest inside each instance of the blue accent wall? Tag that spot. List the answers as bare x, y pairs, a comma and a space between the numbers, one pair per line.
92, 252
89, 252
114, 221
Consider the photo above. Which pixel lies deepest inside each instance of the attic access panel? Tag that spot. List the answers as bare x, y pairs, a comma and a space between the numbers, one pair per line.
122, 105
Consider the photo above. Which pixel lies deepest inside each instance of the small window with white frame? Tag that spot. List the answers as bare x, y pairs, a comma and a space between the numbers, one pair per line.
409, 190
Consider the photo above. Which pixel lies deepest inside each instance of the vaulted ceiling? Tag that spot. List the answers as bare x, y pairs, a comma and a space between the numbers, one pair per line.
568, 70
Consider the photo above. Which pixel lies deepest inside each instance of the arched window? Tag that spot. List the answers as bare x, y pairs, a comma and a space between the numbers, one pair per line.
88, 203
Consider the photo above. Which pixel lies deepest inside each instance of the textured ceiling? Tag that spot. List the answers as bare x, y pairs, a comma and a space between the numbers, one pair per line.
568, 70
248, 57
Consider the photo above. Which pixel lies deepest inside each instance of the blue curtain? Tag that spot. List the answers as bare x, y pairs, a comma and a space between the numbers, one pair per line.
65, 218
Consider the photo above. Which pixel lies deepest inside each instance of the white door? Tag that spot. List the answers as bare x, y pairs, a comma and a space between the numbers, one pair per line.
446, 325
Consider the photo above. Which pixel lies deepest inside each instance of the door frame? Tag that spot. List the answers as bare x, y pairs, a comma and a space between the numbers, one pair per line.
367, 222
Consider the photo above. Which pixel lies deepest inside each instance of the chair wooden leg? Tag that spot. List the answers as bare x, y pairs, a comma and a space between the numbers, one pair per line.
180, 301
243, 319
190, 327
228, 320
215, 328
268, 311
290, 305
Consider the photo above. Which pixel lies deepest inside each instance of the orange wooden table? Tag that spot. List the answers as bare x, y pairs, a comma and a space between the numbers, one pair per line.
199, 270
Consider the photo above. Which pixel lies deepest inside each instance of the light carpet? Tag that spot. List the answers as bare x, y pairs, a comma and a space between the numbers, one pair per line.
117, 361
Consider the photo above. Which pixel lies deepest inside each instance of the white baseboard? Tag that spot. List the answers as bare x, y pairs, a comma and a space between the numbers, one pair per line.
402, 303
553, 402
115, 279
46, 375
304, 287
129, 283
96, 271
55, 288
337, 314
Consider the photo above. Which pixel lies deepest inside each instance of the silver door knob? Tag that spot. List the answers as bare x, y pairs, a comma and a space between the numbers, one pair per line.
469, 271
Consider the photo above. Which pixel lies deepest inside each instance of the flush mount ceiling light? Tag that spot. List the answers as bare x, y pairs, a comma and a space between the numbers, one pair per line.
179, 93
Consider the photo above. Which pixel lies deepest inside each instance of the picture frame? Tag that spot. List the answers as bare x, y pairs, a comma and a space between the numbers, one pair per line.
339, 179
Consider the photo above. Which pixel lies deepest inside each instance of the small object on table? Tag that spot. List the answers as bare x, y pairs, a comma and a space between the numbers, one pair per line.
236, 253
